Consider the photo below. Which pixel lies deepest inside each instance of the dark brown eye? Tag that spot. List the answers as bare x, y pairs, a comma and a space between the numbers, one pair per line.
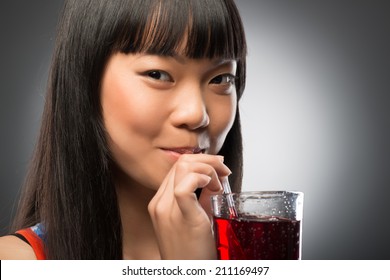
159, 75
224, 79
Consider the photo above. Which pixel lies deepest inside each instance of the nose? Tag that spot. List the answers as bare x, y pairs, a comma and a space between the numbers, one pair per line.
190, 109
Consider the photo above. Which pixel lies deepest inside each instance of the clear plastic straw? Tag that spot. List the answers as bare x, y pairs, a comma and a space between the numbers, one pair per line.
228, 191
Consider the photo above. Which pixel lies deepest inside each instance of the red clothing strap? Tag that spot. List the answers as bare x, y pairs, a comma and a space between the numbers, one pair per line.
35, 242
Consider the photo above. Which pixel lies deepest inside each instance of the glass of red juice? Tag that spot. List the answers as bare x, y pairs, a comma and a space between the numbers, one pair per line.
264, 225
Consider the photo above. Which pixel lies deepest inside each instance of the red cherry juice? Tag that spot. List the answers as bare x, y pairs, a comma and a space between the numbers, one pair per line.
251, 238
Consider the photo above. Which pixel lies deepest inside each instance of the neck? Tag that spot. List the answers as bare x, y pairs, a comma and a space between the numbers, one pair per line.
139, 239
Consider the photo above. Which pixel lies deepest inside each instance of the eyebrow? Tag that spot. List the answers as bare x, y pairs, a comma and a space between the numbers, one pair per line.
218, 61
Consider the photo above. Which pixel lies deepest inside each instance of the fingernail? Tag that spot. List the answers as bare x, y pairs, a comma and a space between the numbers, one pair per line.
207, 180
221, 158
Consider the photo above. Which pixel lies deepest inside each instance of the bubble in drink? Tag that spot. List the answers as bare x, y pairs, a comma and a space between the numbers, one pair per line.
257, 238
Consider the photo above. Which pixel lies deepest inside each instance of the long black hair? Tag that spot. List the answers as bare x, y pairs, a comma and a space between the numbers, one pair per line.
69, 187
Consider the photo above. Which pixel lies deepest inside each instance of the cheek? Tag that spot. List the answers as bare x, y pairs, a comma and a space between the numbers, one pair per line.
131, 121
221, 120
127, 111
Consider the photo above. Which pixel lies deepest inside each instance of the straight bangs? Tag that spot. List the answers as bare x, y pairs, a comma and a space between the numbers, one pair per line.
195, 29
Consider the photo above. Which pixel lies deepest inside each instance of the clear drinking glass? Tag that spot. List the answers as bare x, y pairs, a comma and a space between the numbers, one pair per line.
264, 225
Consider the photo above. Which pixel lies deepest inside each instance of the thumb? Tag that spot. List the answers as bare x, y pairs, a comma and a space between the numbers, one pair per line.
205, 198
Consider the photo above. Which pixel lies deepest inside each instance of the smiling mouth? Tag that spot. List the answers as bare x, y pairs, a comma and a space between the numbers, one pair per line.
186, 150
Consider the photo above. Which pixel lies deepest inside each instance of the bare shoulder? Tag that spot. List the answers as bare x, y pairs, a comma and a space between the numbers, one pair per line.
12, 248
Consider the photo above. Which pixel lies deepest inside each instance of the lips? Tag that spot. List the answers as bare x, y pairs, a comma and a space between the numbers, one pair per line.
186, 150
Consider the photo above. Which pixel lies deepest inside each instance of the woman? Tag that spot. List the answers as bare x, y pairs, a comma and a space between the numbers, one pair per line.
140, 125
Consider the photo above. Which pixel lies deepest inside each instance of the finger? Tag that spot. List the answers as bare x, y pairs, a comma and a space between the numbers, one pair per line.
215, 161
161, 194
183, 181
185, 199
205, 198
188, 163
185, 168
165, 201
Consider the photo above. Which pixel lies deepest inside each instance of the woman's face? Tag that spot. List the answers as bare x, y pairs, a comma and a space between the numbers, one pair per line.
156, 108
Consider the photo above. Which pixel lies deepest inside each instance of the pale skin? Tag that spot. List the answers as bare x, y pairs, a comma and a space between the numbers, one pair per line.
166, 118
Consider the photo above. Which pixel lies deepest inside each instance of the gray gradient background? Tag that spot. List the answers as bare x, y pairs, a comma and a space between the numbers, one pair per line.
315, 112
